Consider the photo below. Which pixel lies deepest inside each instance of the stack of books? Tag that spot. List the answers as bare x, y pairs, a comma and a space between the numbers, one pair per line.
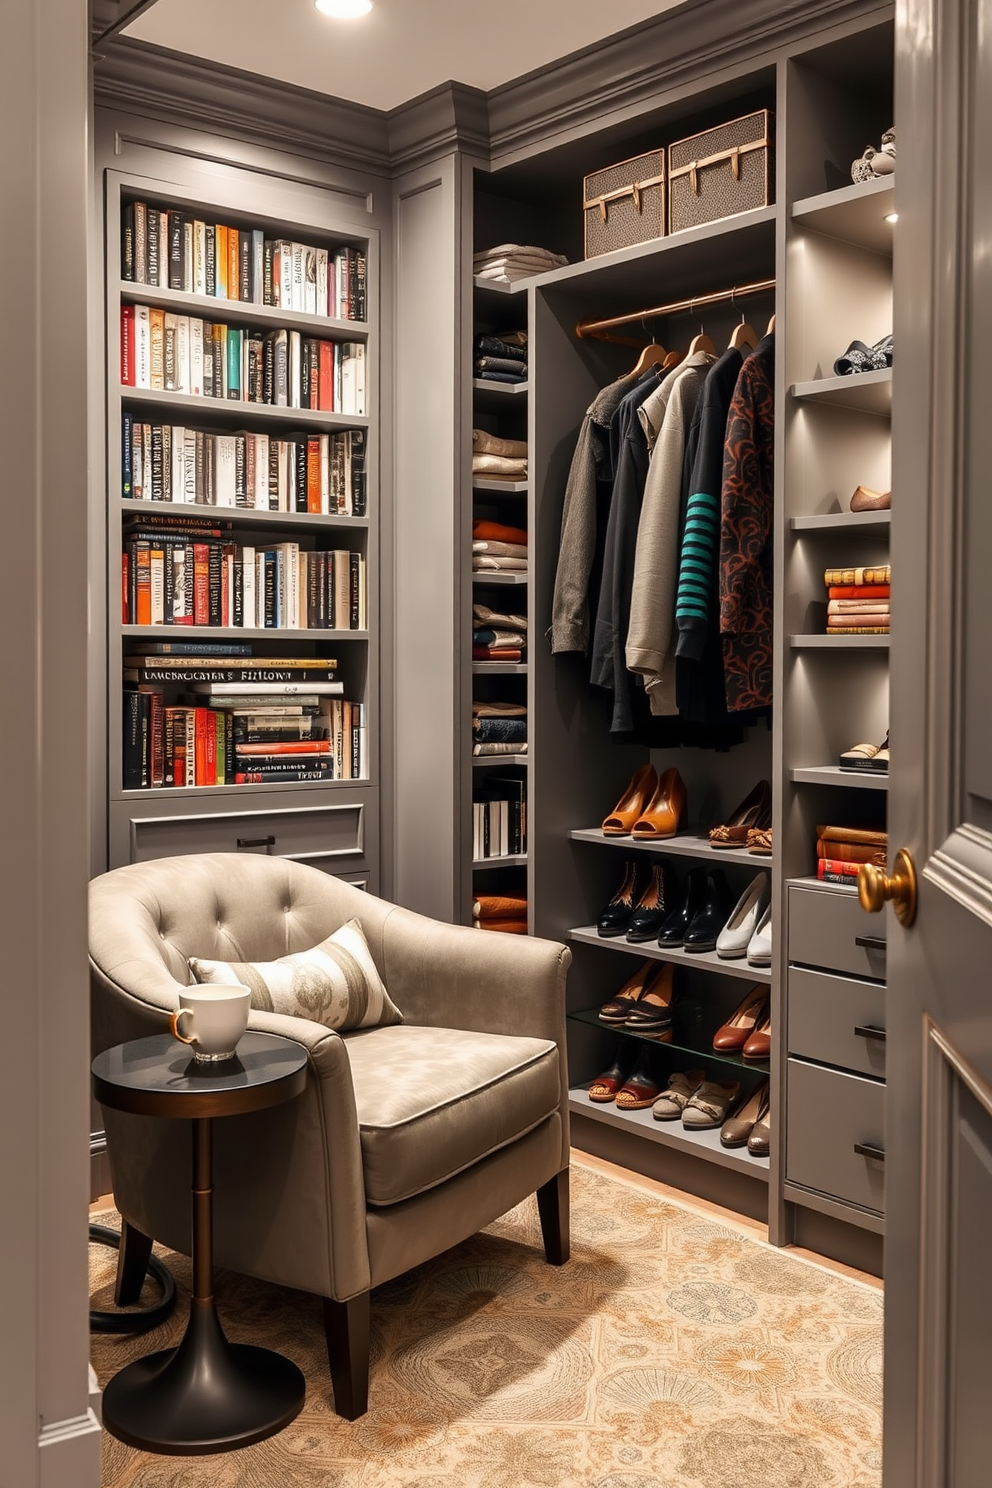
322, 474
176, 250
163, 352
858, 600
183, 571
840, 852
197, 715
499, 818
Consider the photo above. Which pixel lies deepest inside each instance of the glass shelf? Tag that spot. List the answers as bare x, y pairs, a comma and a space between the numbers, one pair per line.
694, 1022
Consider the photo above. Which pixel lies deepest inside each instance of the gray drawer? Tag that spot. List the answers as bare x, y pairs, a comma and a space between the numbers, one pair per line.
331, 835
824, 926
828, 1114
825, 1014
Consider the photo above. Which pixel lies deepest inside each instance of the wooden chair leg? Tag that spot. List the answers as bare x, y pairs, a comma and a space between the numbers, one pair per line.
346, 1325
552, 1206
132, 1265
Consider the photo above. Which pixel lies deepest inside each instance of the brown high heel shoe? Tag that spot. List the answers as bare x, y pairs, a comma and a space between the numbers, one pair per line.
743, 1022
631, 804
754, 811
663, 813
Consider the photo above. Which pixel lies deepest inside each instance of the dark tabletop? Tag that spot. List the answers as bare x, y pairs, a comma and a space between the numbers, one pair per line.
158, 1077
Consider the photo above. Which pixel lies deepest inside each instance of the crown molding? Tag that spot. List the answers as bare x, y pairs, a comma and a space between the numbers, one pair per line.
451, 117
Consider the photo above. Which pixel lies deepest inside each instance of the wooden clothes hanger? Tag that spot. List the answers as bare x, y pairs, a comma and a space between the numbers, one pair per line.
653, 355
701, 342
771, 327
743, 335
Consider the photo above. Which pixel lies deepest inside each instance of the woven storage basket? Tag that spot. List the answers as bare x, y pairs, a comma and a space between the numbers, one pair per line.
720, 172
624, 204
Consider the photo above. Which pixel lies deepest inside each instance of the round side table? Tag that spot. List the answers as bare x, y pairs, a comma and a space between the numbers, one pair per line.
207, 1395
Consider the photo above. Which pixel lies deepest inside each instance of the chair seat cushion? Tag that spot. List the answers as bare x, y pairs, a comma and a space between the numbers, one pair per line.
433, 1101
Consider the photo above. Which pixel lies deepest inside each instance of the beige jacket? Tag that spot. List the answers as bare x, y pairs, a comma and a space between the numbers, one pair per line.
651, 635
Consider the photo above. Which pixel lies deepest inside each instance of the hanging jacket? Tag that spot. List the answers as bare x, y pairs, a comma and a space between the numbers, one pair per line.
746, 534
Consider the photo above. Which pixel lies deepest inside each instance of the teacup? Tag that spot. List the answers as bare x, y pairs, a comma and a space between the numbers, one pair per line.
216, 1019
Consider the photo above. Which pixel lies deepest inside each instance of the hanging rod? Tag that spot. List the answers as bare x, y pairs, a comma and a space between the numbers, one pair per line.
598, 330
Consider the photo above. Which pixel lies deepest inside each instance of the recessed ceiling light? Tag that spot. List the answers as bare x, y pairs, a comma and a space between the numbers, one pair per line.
892, 216
344, 10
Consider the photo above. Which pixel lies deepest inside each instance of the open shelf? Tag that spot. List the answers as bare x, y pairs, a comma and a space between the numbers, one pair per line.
871, 523
499, 487
651, 951
514, 860
704, 1144
241, 312
200, 792
237, 632
240, 410
686, 844
491, 576
498, 287
688, 1035
487, 761
241, 514
834, 775
839, 642
855, 214
499, 668
863, 392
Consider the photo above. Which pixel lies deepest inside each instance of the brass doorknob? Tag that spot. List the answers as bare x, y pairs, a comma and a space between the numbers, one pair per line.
875, 886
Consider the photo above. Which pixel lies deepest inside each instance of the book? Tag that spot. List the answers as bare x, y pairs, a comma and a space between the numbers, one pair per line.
838, 878
300, 687
850, 852
837, 868
858, 591
882, 574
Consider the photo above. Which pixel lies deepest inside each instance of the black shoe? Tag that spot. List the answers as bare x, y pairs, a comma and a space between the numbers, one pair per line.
652, 906
618, 913
683, 908
711, 916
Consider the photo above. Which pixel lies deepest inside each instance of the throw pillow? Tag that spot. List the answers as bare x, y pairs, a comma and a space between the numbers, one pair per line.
335, 983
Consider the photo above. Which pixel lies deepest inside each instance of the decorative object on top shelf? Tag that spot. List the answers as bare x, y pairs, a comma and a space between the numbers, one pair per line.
170, 249
721, 172
508, 262
858, 600
866, 757
860, 358
754, 812
867, 500
624, 203
840, 852
875, 163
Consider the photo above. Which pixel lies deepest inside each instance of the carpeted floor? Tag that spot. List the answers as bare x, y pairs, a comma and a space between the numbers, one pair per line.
672, 1349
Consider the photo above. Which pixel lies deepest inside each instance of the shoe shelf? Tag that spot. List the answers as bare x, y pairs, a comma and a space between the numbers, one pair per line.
500, 761
871, 523
492, 577
499, 668
512, 860
864, 392
704, 1144
500, 487
854, 214
839, 642
687, 1034
834, 775
650, 950
685, 844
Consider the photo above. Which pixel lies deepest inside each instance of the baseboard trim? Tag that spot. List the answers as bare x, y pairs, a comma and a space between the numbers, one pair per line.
69, 1451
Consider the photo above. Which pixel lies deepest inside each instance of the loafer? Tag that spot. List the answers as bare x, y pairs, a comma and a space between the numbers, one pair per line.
736, 1131
677, 1094
735, 937
618, 1008
734, 1034
653, 1009
643, 1087
605, 1086
620, 911
710, 1104
711, 916
759, 1045
759, 950
683, 911
865, 499
647, 918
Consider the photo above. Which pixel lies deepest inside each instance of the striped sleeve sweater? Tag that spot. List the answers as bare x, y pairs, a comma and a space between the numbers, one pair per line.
697, 602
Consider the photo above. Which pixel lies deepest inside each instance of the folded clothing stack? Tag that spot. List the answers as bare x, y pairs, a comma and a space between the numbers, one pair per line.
506, 913
858, 600
840, 851
497, 636
501, 358
499, 728
498, 549
508, 262
498, 459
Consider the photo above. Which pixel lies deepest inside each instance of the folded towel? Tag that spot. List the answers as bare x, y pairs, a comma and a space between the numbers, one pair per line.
490, 653
499, 710
516, 253
495, 749
500, 907
501, 364
483, 615
496, 563
484, 443
499, 549
504, 927
497, 532
514, 467
497, 640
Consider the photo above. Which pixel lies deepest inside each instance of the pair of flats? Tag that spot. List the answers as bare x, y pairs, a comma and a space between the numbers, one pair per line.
871, 757
701, 1104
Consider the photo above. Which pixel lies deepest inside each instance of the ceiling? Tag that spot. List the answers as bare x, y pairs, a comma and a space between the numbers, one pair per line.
402, 49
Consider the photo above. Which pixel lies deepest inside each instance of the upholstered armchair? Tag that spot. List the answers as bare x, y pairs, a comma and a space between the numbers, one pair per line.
406, 1140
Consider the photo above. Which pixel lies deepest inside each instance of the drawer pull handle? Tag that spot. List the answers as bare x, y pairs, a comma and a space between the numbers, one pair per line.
866, 1031
868, 1149
871, 943
265, 842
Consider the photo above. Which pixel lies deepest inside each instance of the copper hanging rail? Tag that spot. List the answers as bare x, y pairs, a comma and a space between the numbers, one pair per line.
598, 330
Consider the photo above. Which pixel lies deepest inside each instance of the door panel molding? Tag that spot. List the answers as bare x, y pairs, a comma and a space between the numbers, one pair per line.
961, 868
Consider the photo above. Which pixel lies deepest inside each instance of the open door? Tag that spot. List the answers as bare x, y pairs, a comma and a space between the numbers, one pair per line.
938, 1385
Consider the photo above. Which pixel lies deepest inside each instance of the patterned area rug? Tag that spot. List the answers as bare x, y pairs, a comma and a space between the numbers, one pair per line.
671, 1349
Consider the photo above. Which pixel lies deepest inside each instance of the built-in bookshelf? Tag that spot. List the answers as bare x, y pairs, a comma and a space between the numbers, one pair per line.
242, 506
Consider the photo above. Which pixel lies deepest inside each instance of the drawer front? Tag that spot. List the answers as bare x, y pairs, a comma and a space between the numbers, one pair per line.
837, 1020
829, 1114
331, 836
824, 928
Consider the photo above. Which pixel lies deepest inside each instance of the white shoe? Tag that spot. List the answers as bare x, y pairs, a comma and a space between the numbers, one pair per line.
759, 951
736, 934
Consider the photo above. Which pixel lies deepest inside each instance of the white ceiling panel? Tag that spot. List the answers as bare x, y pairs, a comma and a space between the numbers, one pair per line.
401, 49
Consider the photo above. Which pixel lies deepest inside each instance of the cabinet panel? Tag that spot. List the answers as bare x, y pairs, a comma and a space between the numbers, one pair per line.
825, 928
825, 1016
829, 1114
330, 835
